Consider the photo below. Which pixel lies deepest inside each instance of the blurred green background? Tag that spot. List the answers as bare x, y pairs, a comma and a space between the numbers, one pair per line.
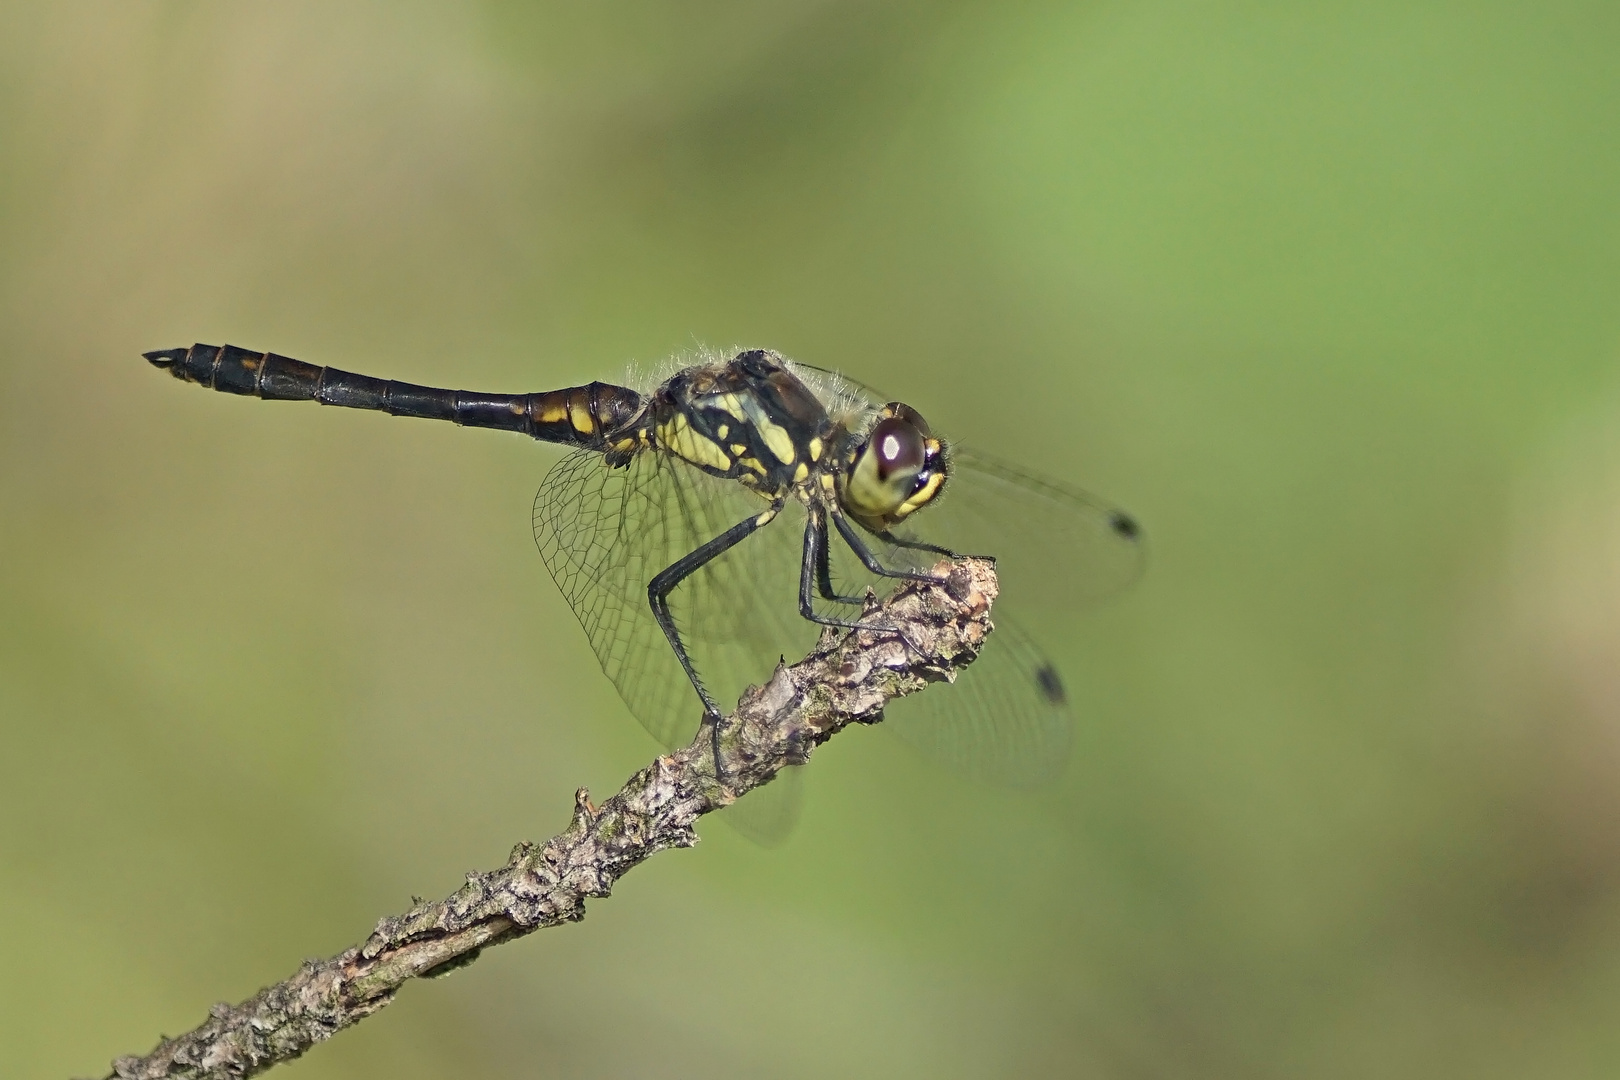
1327, 294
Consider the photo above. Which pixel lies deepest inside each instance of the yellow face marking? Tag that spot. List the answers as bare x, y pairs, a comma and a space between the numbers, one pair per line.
579, 414
921, 498
800, 473
815, 449
778, 440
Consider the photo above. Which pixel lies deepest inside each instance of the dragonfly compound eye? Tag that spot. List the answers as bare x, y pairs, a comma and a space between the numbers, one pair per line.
898, 469
897, 447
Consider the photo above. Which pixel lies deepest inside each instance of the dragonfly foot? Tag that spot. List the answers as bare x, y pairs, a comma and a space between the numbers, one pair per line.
716, 724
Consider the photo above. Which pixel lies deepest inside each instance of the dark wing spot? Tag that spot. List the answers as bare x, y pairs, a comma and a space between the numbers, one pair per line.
1124, 525
1051, 685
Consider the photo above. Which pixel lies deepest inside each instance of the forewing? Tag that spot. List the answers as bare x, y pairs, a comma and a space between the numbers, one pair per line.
604, 532
1056, 546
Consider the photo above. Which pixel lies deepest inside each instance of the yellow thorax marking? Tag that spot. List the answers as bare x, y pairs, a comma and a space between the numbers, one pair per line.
748, 410
779, 441
678, 435
731, 405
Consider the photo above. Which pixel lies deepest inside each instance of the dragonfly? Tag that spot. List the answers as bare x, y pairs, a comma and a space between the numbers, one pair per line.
708, 524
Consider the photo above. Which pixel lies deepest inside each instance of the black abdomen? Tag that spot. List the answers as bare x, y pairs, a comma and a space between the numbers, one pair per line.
578, 415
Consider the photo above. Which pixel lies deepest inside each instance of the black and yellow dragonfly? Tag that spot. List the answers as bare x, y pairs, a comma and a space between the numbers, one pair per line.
692, 530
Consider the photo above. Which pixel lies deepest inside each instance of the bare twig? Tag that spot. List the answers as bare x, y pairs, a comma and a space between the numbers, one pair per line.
846, 679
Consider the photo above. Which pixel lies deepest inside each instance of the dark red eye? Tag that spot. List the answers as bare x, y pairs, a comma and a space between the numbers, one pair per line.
901, 411
898, 447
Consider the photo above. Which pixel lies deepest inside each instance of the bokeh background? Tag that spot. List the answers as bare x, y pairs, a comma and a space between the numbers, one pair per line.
1327, 294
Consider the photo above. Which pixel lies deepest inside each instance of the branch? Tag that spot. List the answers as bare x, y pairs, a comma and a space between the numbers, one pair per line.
845, 679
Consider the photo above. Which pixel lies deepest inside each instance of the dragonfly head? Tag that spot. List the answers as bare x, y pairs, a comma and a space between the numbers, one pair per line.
895, 471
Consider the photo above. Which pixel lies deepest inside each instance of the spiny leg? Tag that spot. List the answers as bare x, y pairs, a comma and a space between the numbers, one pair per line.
813, 566
824, 583
813, 569
664, 582
920, 545
857, 544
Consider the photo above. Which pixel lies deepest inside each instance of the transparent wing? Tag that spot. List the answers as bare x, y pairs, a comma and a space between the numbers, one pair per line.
1006, 719
1057, 548
605, 532
768, 814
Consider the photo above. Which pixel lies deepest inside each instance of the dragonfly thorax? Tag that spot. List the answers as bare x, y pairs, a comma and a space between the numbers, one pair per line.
752, 419
748, 419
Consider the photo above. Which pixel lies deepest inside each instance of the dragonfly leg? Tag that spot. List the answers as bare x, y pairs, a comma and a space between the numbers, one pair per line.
858, 545
813, 576
824, 584
918, 545
814, 568
664, 582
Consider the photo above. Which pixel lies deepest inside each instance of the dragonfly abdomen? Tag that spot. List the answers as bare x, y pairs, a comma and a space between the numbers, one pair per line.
576, 415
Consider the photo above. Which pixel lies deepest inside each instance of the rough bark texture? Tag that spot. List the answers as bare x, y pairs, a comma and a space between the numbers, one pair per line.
846, 679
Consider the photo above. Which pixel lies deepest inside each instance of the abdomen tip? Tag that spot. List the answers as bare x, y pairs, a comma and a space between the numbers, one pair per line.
165, 357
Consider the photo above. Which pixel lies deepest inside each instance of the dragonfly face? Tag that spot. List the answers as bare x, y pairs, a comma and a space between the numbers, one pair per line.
894, 470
